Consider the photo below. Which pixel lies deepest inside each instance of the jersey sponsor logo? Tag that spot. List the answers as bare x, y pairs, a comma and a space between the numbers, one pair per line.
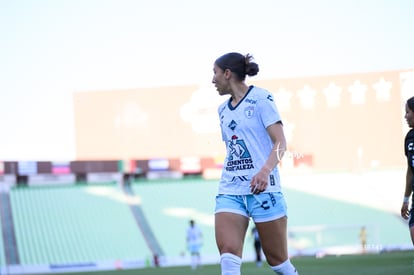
232, 125
249, 111
239, 156
251, 101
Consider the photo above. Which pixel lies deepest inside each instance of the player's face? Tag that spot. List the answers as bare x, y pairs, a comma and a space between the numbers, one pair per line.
409, 116
220, 81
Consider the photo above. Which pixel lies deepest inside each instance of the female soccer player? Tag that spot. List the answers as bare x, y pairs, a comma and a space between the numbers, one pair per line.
409, 153
252, 131
194, 239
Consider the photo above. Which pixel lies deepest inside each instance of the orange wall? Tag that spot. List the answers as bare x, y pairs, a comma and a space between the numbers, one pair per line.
180, 121
348, 136
138, 123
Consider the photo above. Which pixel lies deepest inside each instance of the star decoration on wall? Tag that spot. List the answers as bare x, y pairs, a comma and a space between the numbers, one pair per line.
307, 97
358, 91
383, 90
333, 95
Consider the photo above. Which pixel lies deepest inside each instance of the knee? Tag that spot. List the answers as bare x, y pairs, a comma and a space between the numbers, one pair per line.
230, 249
273, 261
276, 258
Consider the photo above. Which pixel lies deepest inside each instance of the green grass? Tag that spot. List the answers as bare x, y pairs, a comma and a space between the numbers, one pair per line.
395, 263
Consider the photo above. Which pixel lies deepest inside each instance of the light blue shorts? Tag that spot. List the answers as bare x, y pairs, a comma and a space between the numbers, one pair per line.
263, 207
194, 248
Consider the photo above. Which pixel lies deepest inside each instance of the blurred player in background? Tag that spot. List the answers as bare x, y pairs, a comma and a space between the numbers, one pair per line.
257, 246
409, 153
252, 131
363, 239
194, 239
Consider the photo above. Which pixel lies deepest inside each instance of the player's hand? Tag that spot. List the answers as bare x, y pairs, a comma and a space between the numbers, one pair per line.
258, 183
405, 213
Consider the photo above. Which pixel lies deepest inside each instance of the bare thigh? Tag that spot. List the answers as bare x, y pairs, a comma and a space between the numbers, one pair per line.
412, 233
273, 236
230, 232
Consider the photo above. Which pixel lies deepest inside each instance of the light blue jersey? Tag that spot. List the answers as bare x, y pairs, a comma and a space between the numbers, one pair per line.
248, 144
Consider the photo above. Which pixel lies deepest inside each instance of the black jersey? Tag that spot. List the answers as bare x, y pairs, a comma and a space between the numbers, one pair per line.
409, 149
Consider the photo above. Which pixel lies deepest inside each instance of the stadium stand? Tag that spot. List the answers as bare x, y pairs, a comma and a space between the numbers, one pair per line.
316, 223
170, 204
336, 205
2, 253
82, 224
75, 224
11, 253
144, 226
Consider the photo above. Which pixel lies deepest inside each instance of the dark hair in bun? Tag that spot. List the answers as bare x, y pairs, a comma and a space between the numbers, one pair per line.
238, 64
410, 103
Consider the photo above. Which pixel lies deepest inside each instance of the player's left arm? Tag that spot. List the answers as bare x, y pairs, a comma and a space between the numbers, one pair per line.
277, 135
405, 212
260, 180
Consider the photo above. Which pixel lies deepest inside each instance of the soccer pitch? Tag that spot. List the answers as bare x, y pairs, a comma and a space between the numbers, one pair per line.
396, 263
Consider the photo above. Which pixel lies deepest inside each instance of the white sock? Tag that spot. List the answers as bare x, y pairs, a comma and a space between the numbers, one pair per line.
285, 268
230, 264
198, 260
194, 261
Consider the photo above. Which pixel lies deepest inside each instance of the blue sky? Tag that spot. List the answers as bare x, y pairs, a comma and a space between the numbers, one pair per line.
51, 49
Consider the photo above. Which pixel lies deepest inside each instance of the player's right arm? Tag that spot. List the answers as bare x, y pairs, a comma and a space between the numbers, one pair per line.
405, 212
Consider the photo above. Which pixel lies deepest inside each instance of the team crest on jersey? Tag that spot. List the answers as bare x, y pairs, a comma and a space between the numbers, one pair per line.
249, 111
239, 156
